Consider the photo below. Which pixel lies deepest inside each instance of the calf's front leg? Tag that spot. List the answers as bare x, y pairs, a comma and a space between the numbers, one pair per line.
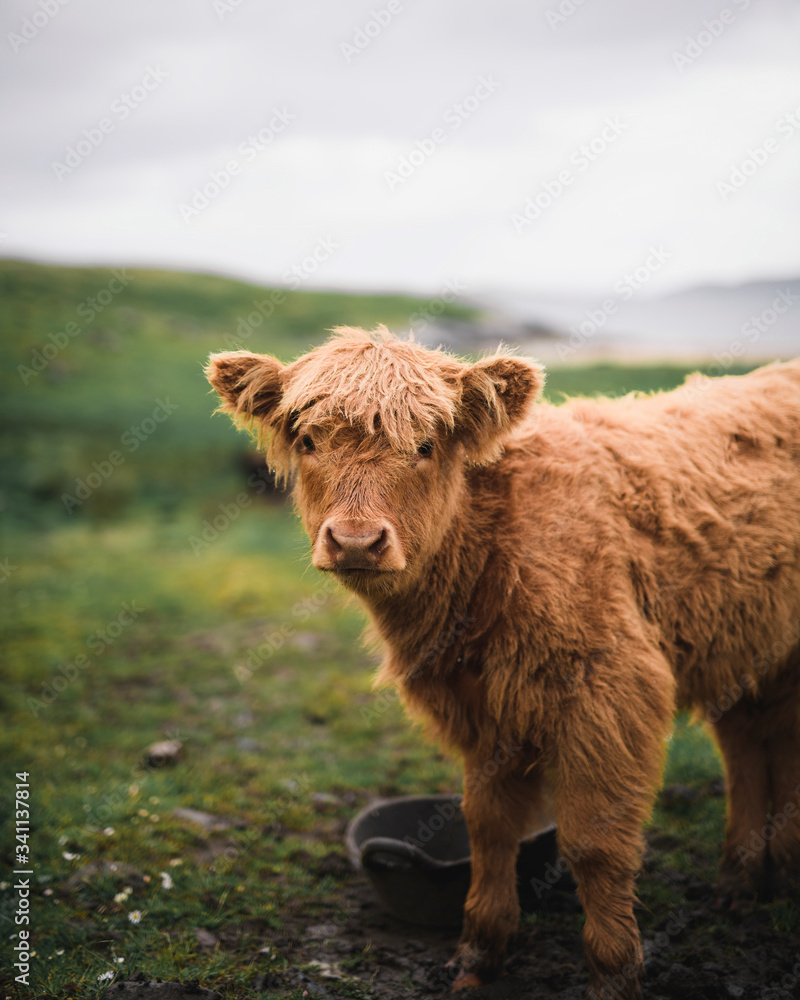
498, 810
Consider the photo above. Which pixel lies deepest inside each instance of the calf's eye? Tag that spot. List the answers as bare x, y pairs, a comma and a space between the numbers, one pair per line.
425, 450
307, 442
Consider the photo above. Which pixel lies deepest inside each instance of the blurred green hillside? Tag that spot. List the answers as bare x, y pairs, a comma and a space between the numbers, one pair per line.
90, 354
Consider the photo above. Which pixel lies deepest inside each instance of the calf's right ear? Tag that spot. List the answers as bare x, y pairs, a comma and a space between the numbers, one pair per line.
249, 385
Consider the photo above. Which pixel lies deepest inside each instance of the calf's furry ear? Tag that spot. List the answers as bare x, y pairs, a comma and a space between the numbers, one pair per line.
497, 393
249, 385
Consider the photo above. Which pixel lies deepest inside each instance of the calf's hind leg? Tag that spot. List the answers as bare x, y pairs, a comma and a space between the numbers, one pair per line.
742, 740
782, 722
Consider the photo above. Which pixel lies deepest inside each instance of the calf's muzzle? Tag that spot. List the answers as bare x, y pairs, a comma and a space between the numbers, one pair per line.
357, 545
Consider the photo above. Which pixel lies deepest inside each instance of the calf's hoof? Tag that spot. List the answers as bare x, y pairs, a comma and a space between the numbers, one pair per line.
464, 980
738, 891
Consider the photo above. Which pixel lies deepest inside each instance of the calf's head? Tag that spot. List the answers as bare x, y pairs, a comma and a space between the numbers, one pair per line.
376, 434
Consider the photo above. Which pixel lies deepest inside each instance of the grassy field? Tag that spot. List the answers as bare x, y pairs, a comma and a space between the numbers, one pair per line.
174, 601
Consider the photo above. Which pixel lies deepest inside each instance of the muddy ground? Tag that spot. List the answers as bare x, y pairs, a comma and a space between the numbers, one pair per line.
692, 952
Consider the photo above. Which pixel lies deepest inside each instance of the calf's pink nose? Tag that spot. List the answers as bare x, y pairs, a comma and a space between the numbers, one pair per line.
344, 544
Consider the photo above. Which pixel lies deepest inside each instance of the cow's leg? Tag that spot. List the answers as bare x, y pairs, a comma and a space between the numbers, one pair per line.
742, 741
499, 810
782, 723
600, 835
607, 768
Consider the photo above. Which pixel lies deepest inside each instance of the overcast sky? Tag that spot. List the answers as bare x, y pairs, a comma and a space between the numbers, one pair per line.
534, 147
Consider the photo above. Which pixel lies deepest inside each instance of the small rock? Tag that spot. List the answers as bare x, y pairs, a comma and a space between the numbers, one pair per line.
321, 931
205, 938
204, 819
163, 753
326, 969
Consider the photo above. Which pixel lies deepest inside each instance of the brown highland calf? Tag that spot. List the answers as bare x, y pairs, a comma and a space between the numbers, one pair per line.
613, 559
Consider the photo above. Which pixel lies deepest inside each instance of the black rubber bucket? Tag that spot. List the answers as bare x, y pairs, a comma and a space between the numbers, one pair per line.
416, 853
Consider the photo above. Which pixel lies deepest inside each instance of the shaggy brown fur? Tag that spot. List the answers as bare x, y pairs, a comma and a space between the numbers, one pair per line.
599, 563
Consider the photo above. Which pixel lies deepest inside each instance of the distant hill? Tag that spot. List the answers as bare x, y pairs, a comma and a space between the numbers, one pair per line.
761, 317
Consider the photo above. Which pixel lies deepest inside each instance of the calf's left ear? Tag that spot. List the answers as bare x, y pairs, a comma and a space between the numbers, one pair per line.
496, 395
249, 385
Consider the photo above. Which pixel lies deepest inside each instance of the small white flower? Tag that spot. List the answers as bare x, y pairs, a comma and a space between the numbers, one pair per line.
59, 951
121, 897
69, 857
166, 881
109, 831
105, 976
4, 885
62, 840
135, 916
48, 892
174, 862
120, 959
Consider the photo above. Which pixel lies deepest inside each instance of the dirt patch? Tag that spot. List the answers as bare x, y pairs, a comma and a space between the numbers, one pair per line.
141, 988
692, 952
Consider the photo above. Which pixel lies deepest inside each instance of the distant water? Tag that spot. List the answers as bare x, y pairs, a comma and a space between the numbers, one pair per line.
751, 322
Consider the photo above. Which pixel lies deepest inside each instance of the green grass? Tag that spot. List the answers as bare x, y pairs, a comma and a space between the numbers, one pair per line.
233, 647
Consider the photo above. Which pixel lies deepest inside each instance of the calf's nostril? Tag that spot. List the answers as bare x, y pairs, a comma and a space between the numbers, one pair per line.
332, 542
379, 544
